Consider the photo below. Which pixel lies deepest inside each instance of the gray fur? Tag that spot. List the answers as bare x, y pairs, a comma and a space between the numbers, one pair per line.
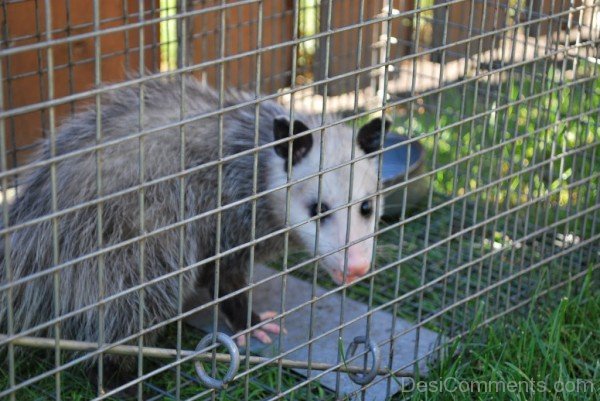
31, 247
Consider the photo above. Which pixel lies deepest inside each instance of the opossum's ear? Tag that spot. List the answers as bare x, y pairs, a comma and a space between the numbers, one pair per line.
300, 146
369, 135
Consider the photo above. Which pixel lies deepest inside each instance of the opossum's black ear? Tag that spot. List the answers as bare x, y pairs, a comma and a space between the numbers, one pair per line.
369, 135
300, 146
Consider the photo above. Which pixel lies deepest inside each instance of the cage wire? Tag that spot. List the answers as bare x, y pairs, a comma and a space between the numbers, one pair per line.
503, 96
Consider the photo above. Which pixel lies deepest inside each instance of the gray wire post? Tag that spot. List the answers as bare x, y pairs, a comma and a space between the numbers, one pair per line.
55, 239
183, 52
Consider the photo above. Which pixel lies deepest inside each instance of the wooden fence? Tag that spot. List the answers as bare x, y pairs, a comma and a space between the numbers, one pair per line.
25, 73
225, 41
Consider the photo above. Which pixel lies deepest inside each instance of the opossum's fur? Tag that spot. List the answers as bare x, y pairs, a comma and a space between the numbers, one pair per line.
31, 248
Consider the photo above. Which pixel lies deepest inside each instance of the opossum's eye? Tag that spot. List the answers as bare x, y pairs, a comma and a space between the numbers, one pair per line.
314, 210
366, 208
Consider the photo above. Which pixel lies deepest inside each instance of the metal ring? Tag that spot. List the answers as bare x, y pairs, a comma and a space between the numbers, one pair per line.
367, 377
234, 364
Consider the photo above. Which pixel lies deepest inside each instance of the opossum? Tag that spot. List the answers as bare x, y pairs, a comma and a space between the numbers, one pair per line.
117, 182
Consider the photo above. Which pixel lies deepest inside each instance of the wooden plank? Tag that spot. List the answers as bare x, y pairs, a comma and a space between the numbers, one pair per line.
488, 16
546, 10
343, 46
241, 37
25, 78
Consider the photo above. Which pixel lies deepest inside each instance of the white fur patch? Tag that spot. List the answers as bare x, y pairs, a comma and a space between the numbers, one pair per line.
335, 193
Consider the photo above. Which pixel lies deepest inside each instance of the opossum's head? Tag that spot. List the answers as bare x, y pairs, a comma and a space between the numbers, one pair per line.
346, 213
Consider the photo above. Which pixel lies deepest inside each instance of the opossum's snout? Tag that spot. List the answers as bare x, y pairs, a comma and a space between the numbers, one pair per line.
345, 264
358, 265
347, 268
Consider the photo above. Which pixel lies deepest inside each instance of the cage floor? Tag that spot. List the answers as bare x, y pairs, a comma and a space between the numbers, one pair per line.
462, 271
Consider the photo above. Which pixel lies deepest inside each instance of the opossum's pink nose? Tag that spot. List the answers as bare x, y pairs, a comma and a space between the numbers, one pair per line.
357, 267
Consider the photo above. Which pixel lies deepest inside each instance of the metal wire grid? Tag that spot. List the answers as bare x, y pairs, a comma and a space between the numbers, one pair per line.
472, 265
75, 58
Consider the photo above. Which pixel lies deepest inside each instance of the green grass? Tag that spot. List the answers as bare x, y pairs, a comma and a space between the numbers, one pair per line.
551, 354
533, 117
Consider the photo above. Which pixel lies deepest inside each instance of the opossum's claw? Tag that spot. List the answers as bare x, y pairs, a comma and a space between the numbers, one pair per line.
267, 315
262, 334
241, 341
259, 334
274, 328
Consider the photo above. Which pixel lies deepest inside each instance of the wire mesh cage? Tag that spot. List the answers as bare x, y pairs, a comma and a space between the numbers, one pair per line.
385, 176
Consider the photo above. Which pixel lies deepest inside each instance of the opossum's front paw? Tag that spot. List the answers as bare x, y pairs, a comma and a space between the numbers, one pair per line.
261, 333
